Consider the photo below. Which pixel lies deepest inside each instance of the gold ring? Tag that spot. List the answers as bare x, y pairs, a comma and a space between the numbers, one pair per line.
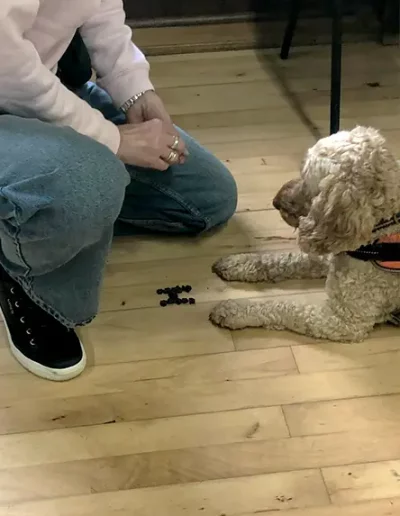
174, 146
173, 157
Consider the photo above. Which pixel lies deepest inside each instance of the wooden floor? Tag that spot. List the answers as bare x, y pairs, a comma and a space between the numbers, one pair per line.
179, 418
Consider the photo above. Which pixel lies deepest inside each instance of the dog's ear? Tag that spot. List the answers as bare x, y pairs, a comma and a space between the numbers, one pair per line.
340, 219
353, 173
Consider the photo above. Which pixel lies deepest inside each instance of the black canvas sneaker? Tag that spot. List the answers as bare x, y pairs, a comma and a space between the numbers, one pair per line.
39, 342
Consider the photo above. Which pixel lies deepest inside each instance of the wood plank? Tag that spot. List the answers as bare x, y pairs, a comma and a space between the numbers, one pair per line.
282, 118
233, 496
140, 437
251, 65
330, 356
202, 99
8, 365
361, 113
390, 507
207, 287
244, 233
201, 369
171, 397
201, 38
247, 148
260, 95
357, 56
197, 369
188, 465
260, 339
374, 414
360, 482
125, 336
365, 94
276, 167
255, 96
246, 34
251, 132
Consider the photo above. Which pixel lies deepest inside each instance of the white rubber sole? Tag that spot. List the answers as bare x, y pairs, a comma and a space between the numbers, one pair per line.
55, 375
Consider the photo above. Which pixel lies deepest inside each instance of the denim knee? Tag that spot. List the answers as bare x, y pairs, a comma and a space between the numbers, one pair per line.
219, 195
226, 191
91, 189
58, 193
209, 186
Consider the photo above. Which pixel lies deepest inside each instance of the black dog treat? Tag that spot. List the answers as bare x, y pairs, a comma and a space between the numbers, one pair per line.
173, 295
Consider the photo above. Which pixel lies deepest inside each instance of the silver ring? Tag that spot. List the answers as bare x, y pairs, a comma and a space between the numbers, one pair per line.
174, 146
172, 157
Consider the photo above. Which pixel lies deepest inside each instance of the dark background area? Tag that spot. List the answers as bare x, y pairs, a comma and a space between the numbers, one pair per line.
275, 9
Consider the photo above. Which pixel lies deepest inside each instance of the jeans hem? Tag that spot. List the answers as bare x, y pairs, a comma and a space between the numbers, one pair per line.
26, 284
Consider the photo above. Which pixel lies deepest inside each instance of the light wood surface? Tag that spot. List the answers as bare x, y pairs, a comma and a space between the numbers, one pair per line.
175, 417
236, 35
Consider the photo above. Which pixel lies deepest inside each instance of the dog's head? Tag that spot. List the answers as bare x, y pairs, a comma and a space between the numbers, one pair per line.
348, 183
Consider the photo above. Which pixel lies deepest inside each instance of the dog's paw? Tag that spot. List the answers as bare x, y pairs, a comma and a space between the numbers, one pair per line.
228, 314
236, 267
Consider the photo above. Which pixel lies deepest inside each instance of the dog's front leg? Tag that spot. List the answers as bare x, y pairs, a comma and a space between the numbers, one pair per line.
313, 320
271, 267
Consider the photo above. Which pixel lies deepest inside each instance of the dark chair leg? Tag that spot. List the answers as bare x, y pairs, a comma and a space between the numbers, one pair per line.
291, 27
336, 66
390, 16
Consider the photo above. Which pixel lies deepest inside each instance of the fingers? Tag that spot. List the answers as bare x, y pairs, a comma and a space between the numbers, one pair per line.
171, 139
172, 157
177, 144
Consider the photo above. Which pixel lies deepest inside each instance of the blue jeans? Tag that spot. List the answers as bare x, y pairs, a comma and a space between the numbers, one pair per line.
62, 196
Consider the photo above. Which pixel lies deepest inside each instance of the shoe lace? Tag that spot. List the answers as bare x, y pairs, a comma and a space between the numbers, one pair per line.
30, 315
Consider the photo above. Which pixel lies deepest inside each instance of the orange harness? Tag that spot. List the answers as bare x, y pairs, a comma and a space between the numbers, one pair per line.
385, 251
392, 266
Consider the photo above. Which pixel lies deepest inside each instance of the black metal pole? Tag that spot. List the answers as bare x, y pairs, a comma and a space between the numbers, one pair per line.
291, 27
336, 71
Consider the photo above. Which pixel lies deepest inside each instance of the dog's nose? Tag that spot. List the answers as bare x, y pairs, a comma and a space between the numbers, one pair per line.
276, 204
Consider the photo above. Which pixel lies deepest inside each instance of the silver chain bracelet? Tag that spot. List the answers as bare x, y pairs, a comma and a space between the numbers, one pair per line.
130, 102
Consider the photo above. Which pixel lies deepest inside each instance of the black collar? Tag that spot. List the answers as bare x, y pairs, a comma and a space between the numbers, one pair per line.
380, 251
377, 252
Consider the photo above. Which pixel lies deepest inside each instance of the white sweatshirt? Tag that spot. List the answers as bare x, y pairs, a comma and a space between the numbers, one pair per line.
34, 34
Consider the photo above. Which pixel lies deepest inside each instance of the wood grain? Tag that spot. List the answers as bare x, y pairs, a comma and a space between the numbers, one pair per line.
97, 404
232, 496
352, 484
375, 413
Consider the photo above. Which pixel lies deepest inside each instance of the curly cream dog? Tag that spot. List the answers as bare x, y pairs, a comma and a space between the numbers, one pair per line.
348, 185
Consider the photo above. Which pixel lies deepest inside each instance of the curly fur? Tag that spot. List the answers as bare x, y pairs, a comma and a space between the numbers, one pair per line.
348, 183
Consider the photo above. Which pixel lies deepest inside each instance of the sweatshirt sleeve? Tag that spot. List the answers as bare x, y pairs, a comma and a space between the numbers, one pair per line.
121, 68
29, 89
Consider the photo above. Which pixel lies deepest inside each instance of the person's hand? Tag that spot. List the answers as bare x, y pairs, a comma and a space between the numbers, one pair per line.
150, 145
149, 107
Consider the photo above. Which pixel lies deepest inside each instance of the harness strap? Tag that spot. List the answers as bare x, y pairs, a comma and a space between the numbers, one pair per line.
379, 251
383, 224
